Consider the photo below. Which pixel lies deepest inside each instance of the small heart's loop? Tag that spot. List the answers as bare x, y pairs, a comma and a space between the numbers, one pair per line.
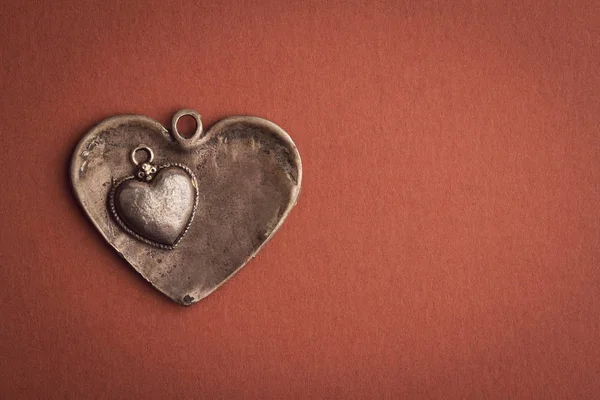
183, 141
142, 148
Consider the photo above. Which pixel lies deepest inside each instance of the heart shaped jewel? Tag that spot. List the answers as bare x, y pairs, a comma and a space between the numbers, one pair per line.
193, 217
159, 212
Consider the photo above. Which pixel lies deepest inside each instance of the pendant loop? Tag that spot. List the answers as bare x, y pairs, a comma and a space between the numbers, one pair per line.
142, 148
183, 141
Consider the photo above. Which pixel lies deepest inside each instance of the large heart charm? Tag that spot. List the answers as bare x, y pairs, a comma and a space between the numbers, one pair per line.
191, 218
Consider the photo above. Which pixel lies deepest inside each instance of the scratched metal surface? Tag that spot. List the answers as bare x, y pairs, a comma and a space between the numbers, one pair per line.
248, 172
157, 207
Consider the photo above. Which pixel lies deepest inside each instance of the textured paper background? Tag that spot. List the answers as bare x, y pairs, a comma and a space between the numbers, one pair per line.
446, 243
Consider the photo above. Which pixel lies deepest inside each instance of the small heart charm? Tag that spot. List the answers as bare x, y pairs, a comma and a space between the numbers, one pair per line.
156, 205
195, 210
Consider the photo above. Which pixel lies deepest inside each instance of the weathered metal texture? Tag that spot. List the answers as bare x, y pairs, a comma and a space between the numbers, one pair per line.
156, 205
206, 206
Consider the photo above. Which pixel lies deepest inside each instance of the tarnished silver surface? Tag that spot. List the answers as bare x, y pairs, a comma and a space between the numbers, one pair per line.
197, 209
156, 205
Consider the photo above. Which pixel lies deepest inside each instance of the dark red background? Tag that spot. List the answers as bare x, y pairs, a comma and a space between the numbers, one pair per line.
446, 243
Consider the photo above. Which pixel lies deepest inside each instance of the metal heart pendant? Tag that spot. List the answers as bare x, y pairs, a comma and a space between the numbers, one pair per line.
193, 217
160, 212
